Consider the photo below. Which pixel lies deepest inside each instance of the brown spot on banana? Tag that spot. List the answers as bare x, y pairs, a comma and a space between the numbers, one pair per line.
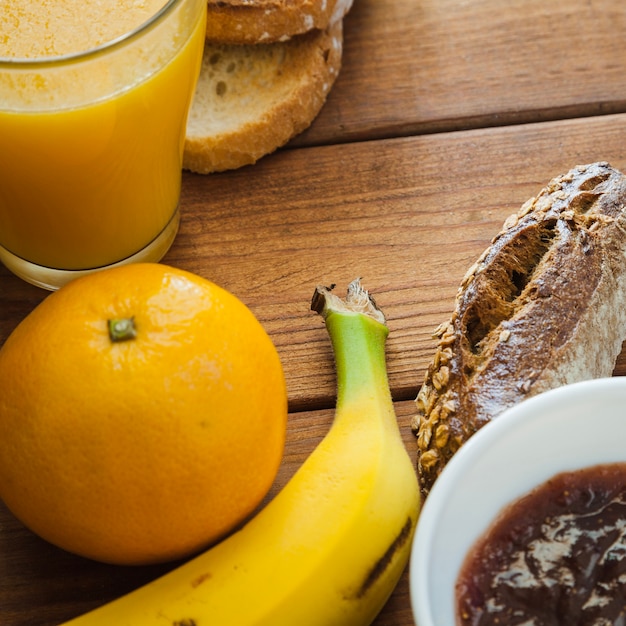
385, 560
197, 582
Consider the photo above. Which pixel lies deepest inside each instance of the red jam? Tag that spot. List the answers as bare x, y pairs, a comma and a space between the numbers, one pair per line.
556, 557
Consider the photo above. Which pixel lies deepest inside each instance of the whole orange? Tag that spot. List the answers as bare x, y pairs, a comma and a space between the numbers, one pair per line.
143, 449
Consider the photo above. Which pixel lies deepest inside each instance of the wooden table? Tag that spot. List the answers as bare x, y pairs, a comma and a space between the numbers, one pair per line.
446, 116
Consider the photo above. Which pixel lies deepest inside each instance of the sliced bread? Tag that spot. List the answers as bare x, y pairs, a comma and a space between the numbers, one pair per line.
265, 21
252, 99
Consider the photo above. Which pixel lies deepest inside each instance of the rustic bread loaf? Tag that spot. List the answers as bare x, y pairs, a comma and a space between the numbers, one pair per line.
252, 99
544, 305
265, 21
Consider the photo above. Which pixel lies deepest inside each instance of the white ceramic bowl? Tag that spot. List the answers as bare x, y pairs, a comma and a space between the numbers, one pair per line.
569, 428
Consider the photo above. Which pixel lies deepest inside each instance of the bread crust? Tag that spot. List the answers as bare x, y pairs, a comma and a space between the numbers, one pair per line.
251, 100
266, 21
544, 306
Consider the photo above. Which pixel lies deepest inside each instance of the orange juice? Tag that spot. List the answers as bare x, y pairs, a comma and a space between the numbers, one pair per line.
91, 155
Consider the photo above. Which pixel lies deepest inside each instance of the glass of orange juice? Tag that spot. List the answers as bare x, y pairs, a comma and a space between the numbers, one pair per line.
94, 99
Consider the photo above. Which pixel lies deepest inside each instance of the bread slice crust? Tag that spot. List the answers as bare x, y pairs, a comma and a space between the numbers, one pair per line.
543, 306
252, 99
266, 21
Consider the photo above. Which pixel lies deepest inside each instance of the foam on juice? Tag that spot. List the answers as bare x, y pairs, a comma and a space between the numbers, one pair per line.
43, 28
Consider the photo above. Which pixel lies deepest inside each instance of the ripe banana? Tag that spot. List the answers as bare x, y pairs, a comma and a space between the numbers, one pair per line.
329, 549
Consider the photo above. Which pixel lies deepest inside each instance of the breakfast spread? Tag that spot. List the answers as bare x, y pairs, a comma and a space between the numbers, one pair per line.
543, 306
555, 556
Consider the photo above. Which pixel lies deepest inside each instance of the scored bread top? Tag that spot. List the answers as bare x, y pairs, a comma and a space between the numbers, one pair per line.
265, 21
252, 99
543, 306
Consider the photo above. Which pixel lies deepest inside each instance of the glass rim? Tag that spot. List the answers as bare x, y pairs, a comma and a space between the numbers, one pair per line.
77, 57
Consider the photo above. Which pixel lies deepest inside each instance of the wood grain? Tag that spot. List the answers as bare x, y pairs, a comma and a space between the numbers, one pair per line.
408, 215
413, 67
411, 217
446, 117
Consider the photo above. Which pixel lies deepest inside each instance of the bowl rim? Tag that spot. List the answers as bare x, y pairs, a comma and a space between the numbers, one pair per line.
524, 413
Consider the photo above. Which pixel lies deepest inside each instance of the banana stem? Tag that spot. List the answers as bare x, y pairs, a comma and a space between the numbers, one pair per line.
358, 334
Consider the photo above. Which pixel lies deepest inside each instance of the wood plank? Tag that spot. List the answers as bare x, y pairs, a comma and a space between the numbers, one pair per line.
408, 215
41, 585
411, 216
412, 67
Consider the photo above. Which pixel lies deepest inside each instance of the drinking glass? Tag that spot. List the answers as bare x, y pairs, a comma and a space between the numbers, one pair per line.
92, 145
